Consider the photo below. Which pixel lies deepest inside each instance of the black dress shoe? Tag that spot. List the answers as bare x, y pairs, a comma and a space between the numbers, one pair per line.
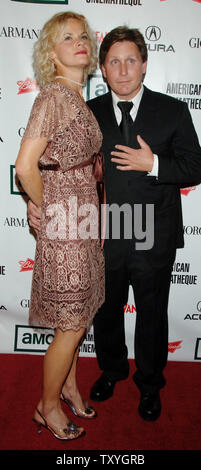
102, 389
150, 406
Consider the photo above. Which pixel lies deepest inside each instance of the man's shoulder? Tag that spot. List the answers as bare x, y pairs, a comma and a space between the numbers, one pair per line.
98, 101
164, 99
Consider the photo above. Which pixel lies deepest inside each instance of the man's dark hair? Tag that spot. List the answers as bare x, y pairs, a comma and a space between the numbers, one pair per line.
119, 34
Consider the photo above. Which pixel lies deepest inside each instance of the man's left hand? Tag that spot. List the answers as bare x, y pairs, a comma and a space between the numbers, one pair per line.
134, 159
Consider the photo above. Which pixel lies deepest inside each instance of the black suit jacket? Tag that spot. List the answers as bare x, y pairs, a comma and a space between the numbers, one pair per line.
165, 124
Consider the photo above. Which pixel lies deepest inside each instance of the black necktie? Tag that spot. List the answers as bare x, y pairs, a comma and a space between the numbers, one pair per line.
126, 125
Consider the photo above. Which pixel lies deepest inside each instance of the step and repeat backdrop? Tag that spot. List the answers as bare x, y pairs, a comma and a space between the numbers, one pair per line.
172, 29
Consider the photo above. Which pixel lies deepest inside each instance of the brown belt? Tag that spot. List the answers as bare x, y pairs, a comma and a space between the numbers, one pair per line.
97, 160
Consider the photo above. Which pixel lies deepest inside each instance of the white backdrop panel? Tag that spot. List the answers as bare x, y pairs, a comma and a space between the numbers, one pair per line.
173, 36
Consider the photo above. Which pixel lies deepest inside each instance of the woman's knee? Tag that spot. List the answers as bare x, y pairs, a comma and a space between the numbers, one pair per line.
70, 336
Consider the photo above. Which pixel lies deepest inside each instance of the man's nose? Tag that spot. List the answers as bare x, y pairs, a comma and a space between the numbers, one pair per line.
123, 68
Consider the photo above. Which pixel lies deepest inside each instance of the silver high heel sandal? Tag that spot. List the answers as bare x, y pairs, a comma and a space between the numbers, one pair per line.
72, 431
88, 412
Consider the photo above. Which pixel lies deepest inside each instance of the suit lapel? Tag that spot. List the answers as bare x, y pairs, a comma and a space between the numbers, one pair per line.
146, 113
108, 122
142, 124
144, 109
145, 116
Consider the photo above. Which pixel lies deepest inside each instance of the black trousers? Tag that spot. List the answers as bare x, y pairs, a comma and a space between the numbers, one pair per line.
151, 282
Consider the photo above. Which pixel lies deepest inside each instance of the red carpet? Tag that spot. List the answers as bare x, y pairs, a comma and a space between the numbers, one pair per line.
118, 425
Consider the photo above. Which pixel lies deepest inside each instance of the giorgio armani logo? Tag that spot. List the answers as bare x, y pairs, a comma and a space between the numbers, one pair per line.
16, 222
192, 230
17, 32
25, 303
195, 43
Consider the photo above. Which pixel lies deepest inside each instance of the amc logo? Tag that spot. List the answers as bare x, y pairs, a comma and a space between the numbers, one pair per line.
15, 185
38, 339
197, 355
28, 339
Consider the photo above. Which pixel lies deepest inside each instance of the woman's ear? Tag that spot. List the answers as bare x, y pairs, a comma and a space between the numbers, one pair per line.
52, 56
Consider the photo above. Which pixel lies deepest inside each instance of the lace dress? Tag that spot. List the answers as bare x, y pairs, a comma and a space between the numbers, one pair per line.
68, 277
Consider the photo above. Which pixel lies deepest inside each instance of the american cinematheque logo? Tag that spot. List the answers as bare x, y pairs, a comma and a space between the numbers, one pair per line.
42, 1
198, 1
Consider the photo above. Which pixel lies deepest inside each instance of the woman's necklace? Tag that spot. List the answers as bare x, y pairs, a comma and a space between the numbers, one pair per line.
70, 80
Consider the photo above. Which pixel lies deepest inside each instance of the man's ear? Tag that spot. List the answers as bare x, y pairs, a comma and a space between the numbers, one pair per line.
103, 70
144, 67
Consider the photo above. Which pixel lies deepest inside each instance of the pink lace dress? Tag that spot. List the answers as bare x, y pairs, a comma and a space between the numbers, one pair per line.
68, 277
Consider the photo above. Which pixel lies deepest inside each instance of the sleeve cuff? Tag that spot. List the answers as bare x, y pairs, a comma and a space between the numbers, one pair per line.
154, 171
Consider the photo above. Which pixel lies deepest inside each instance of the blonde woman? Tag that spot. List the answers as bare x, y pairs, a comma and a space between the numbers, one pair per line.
54, 167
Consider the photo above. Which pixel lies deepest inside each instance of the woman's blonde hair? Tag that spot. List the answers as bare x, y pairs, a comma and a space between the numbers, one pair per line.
44, 68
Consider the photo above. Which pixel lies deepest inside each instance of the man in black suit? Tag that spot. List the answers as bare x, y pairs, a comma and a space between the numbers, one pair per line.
161, 154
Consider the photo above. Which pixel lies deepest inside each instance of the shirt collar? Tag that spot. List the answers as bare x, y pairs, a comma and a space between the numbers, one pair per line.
136, 100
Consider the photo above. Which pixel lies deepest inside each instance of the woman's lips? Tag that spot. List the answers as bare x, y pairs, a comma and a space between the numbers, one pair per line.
81, 52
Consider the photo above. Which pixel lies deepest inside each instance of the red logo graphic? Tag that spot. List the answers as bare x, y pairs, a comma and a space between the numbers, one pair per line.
100, 36
26, 265
27, 86
172, 347
186, 191
129, 308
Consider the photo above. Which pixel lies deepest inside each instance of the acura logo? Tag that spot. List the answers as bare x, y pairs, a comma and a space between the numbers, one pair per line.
199, 306
153, 33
